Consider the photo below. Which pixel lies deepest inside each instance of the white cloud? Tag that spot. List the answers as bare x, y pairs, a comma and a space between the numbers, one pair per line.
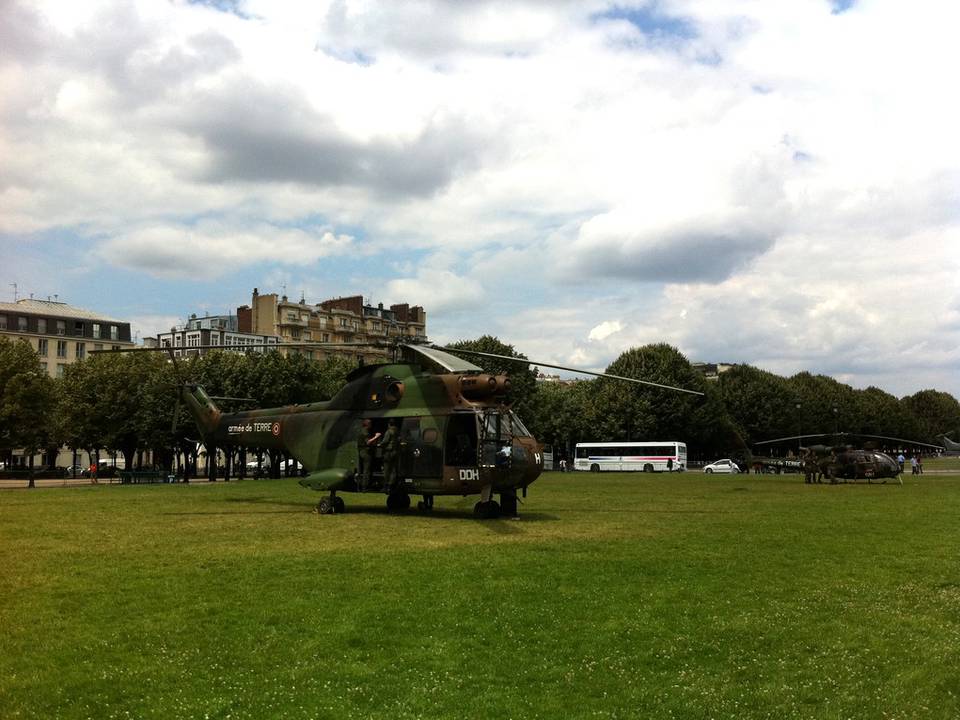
775, 184
213, 249
438, 290
605, 330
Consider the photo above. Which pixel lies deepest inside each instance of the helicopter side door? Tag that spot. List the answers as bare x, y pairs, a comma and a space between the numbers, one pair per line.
420, 455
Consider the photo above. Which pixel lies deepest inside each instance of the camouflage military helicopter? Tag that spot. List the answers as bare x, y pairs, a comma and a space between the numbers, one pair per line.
457, 436
842, 461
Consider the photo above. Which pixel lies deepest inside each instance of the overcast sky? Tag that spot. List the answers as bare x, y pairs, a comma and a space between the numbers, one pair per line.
759, 181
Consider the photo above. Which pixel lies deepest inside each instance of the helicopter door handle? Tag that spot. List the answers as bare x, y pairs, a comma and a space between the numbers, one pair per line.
416, 452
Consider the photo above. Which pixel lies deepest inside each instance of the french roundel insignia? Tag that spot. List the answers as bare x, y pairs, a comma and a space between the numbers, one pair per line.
276, 428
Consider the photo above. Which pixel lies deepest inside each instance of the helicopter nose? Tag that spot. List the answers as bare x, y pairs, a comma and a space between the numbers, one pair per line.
527, 460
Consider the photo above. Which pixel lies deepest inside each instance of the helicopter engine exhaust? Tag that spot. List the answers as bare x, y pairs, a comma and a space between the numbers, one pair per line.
475, 387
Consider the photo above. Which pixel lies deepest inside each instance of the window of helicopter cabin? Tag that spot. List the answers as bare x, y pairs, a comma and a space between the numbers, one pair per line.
42, 325
96, 330
114, 335
61, 327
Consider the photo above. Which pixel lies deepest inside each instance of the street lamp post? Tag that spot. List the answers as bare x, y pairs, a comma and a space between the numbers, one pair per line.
799, 428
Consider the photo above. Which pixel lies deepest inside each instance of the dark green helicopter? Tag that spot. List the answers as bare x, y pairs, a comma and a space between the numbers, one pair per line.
457, 435
842, 461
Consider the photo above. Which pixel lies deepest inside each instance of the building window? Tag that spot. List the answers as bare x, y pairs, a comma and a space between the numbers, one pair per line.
113, 333
42, 348
21, 324
81, 351
60, 369
295, 334
78, 328
61, 349
326, 337
3, 322
98, 346
114, 347
343, 322
96, 330
42, 325
61, 327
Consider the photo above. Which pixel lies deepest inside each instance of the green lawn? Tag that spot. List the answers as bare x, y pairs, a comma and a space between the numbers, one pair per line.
614, 596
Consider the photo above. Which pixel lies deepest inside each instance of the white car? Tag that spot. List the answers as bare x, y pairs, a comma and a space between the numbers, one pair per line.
721, 466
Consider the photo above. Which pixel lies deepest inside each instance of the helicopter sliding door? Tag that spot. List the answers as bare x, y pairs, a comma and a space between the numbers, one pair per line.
420, 455
460, 443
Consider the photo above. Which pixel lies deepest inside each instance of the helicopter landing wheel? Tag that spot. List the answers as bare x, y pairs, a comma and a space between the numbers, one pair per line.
426, 504
508, 504
325, 506
338, 505
487, 510
398, 501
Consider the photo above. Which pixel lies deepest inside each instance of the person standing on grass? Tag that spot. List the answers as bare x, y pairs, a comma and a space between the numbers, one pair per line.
919, 464
913, 465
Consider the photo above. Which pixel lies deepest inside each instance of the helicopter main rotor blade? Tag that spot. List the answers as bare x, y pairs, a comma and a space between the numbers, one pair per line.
844, 436
569, 369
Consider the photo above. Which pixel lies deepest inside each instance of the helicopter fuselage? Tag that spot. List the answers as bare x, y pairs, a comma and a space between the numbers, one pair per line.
456, 435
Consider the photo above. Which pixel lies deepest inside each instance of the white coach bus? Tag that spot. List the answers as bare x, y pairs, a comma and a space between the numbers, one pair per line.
661, 456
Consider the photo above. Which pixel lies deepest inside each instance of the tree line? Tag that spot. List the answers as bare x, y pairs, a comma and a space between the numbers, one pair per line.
124, 402
743, 406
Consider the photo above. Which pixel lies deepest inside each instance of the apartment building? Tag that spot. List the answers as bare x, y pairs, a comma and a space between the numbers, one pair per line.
60, 333
347, 320
218, 330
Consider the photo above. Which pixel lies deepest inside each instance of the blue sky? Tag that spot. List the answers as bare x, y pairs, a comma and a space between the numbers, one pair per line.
751, 182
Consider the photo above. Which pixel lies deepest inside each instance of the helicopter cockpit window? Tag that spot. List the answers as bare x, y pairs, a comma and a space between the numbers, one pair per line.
498, 431
518, 427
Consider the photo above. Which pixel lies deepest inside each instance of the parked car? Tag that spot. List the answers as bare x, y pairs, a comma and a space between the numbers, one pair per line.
721, 466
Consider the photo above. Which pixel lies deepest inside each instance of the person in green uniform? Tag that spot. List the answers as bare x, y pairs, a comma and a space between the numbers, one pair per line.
390, 445
365, 444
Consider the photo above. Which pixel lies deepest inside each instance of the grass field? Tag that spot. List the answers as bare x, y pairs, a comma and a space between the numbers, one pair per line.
614, 596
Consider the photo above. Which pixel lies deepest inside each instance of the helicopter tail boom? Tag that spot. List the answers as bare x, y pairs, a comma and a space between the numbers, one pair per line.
201, 407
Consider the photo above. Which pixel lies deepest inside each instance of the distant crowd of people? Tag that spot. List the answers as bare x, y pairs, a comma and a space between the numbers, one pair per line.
916, 463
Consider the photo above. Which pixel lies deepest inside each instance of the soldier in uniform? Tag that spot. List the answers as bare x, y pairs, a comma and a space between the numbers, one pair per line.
365, 443
390, 445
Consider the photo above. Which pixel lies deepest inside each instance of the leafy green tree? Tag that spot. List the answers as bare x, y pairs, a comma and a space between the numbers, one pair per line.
26, 400
881, 413
935, 412
641, 412
560, 417
761, 405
